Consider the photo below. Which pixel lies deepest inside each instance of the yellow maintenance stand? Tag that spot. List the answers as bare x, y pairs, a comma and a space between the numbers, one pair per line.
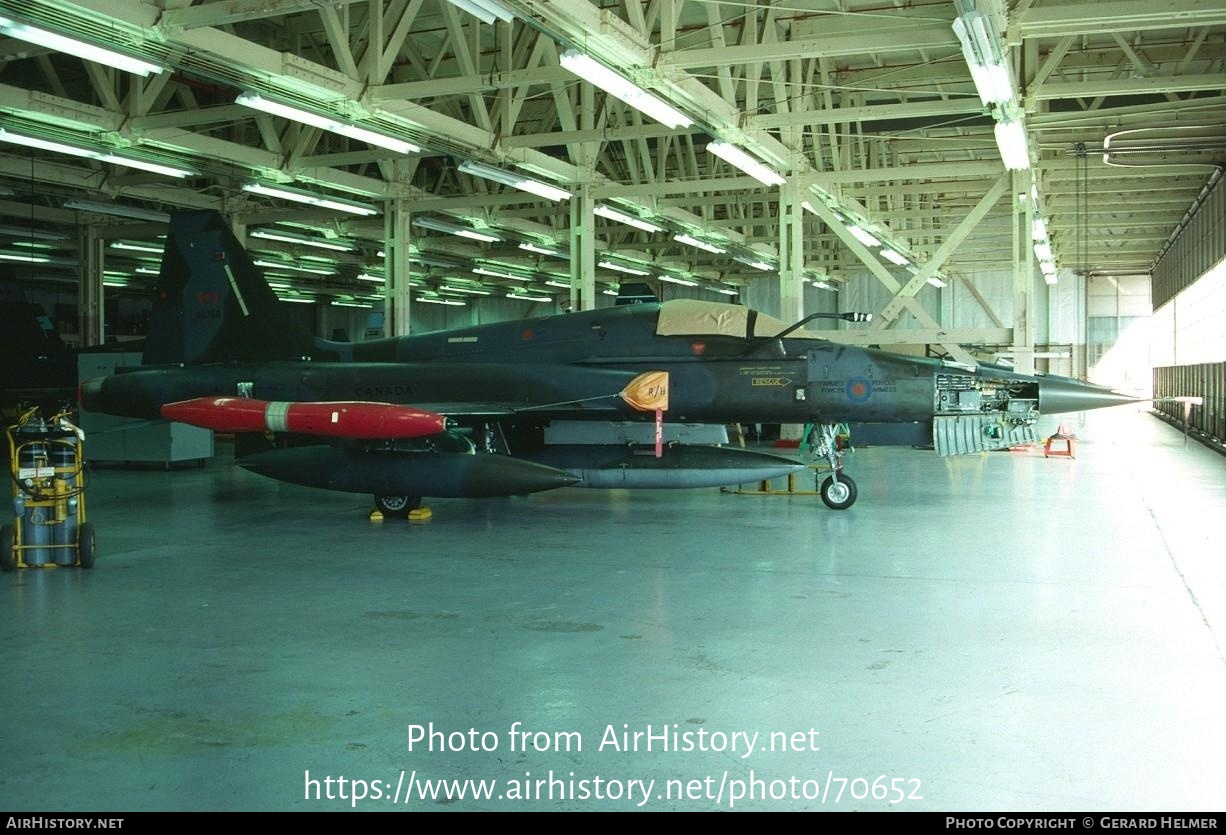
47, 465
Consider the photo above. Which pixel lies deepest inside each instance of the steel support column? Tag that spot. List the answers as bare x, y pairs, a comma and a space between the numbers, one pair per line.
1023, 274
582, 249
91, 305
397, 293
791, 252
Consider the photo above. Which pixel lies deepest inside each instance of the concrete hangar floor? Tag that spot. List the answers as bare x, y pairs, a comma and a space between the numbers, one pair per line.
995, 632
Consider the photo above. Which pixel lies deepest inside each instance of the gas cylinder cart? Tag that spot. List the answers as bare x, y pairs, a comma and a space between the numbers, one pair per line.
47, 464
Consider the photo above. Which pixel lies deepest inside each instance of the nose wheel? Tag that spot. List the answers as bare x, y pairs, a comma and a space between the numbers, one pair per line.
838, 491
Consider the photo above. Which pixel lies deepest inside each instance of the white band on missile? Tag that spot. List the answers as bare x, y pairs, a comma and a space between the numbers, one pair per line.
276, 416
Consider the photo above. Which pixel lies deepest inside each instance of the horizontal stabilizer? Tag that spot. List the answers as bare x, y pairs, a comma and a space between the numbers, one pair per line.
964, 434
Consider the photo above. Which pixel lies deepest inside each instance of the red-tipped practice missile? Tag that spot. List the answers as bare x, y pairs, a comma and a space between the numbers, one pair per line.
345, 419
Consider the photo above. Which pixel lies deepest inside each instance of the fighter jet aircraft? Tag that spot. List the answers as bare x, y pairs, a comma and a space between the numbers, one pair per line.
547, 402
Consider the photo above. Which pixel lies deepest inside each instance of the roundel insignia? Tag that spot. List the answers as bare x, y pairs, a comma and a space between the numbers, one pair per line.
859, 389
698, 348
527, 334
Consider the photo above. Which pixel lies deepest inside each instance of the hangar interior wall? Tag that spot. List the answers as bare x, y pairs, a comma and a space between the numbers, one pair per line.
1188, 343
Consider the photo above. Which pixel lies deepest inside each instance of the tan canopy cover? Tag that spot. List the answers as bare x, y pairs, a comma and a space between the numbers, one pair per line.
692, 317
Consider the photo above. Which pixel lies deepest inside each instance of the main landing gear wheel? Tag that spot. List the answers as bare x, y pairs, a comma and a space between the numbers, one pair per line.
397, 507
838, 495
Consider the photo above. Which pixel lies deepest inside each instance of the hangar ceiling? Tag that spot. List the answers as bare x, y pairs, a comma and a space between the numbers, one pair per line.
867, 107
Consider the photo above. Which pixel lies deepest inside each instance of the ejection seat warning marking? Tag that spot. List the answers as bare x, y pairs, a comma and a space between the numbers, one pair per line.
765, 376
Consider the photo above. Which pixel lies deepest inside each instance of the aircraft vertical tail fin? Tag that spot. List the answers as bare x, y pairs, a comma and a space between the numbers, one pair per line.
212, 304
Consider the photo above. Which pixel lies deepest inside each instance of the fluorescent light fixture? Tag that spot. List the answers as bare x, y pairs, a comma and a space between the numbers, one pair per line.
286, 237
478, 236
727, 291
510, 178
351, 304
31, 234
683, 281
863, 235
310, 198
117, 209
629, 220
498, 274
99, 154
610, 292
540, 250
1042, 251
937, 282
447, 288
609, 265
306, 117
895, 257
454, 229
26, 259
751, 262
282, 265
1038, 229
376, 279
560, 285
429, 300
1011, 140
149, 271
690, 240
296, 299
599, 75
79, 48
734, 155
146, 165
124, 245
487, 10
981, 49
527, 298
823, 285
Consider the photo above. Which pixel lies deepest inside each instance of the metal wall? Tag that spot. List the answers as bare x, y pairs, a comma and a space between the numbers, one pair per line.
1207, 381
1198, 244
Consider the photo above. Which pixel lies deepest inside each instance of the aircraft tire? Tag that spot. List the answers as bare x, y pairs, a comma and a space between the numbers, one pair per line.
8, 548
87, 546
397, 507
839, 495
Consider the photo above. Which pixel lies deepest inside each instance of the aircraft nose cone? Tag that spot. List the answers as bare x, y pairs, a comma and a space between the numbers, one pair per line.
1064, 394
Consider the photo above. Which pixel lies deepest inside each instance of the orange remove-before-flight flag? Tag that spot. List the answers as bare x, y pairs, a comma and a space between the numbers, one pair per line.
647, 392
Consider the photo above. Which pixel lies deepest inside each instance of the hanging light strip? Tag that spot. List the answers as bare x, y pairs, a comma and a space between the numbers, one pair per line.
286, 237
486, 10
310, 198
690, 240
510, 178
296, 114
630, 220
93, 153
598, 75
735, 156
79, 48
